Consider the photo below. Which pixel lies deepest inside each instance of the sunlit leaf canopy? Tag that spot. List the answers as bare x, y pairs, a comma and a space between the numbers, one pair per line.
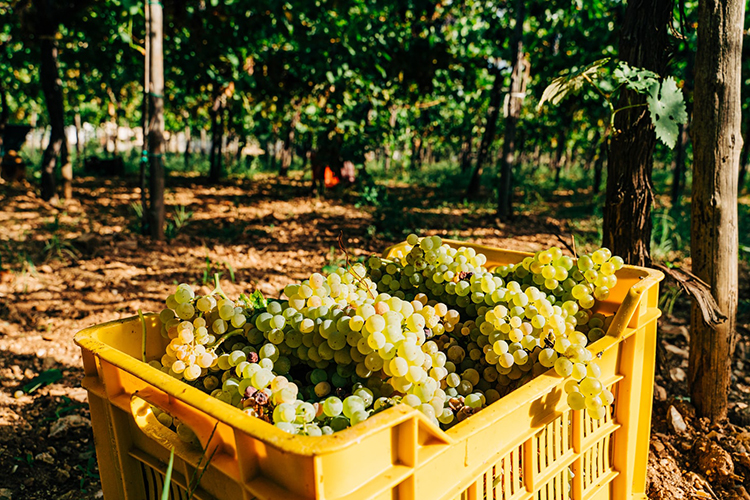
375, 72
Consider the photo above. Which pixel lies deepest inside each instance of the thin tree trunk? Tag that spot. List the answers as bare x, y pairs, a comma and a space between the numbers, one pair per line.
714, 236
156, 126
278, 151
3, 114
744, 164
287, 153
416, 151
203, 143
489, 135
53, 96
599, 167
186, 155
678, 175
112, 110
466, 152
560, 165
588, 162
146, 124
217, 139
558, 159
644, 43
518, 78
536, 157
569, 159
79, 140
744, 158
241, 141
269, 154
66, 170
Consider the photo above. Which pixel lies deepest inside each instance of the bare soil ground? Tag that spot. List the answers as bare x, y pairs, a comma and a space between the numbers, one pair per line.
83, 262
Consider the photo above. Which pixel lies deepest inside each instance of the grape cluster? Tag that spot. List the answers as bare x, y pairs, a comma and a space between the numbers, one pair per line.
520, 320
433, 328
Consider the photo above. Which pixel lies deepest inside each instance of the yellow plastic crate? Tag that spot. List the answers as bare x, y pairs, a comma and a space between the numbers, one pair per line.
527, 445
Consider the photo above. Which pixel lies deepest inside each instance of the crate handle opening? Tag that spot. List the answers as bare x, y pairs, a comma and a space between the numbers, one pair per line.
140, 408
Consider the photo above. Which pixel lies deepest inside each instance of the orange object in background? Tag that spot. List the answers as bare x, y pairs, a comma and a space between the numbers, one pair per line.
329, 178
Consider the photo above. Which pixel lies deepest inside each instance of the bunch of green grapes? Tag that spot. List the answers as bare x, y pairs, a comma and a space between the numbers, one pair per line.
337, 327
584, 281
440, 272
195, 326
433, 329
517, 329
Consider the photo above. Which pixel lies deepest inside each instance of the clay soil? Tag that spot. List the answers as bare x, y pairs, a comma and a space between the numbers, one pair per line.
71, 265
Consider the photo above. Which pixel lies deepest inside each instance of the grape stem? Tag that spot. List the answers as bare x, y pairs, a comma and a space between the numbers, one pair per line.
217, 287
349, 266
226, 336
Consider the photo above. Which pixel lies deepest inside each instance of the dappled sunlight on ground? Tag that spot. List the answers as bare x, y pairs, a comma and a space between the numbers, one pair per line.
82, 263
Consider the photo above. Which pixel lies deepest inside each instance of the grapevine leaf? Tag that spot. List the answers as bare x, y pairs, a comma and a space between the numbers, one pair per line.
257, 301
667, 108
562, 86
637, 79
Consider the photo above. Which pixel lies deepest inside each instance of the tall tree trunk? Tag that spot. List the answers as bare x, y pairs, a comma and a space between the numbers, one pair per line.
599, 166
241, 142
3, 114
678, 175
714, 236
558, 159
66, 170
518, 78
217, 138
644, 43
52, 88
186, 154
79, 140
744, 157
112, 111
536, 157
489, 135
744, 165
146, 123
287, 153
465, 156
416, 151
588, 162
156, 123
203, 143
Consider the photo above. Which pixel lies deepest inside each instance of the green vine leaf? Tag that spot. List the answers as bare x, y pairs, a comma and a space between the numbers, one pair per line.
563, 86
666, 105
637, 79
257, 301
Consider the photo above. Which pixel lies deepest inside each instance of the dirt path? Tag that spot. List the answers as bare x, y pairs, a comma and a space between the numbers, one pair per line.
67, 268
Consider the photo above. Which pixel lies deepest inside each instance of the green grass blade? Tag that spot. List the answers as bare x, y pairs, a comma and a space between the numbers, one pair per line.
168, 477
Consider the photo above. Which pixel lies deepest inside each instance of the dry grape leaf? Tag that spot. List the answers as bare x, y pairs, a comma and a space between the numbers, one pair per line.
563, 86
667, 108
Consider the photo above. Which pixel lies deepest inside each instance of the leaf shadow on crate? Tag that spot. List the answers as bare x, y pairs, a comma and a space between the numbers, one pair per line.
540, 409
